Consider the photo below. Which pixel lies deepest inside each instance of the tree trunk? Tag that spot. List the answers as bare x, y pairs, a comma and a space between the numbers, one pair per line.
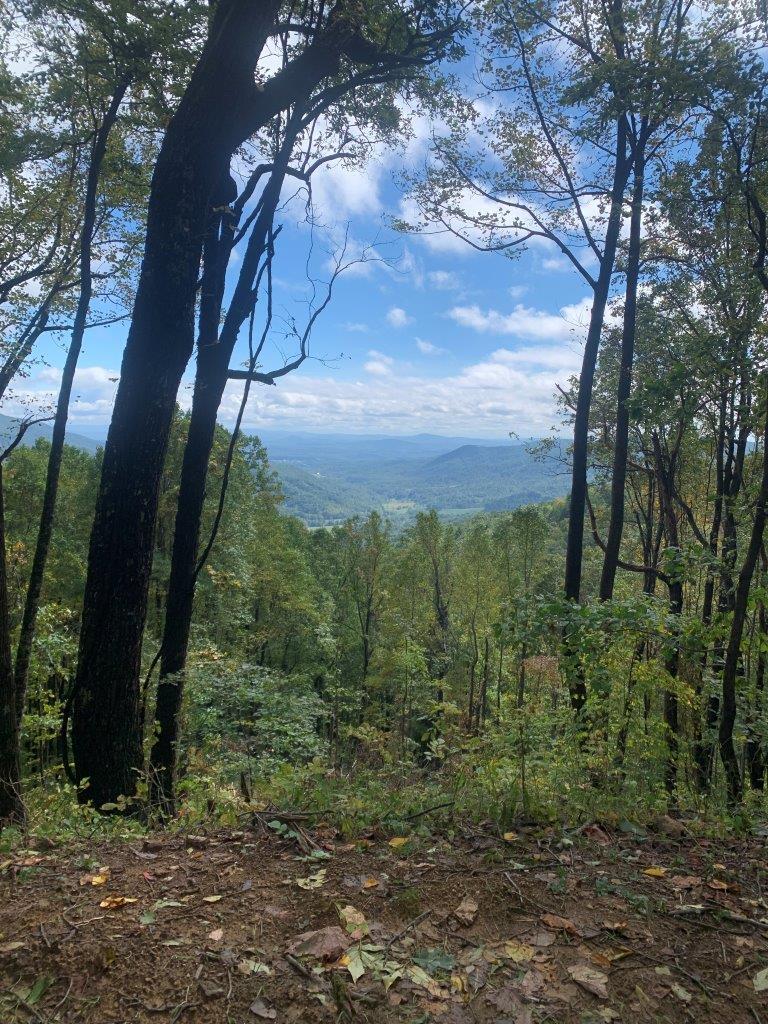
221, 106
730, 670
45, 530
11, 805
755, 755
213, 359
621, 445
575, 543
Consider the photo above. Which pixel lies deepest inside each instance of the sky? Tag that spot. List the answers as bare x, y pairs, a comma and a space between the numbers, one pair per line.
429, 337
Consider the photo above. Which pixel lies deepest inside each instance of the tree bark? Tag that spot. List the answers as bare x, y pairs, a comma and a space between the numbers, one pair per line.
734, 782
621, 445
574, 551
45, 529
213, 359
575, 542
11, 804
220, 108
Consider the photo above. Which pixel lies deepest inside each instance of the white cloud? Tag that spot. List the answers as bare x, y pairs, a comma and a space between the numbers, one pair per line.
379, 364
506, 390
444, 280
517, 291
500, 393
556, 263
428, 349
398, 317
356, 328
525, 321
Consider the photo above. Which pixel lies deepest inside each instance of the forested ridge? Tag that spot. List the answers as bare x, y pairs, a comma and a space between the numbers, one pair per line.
493, 747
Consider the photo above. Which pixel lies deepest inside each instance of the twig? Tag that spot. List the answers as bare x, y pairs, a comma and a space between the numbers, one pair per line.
429, 810
298, 966
404, 931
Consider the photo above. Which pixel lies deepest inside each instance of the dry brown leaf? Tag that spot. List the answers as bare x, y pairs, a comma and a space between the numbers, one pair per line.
325, 943
113, 902
466, 912
564, 924
590, 979
685, 881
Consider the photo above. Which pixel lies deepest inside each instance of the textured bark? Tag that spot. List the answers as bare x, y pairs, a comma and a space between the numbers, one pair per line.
220, 108
623, 391
754, 753
574, 551
213, 359
575, 542
11, 805
45, 529
734, 782
665, 475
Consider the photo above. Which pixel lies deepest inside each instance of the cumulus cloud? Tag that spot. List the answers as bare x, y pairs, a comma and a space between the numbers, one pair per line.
525, 321
506, 390
378, 364
397, 317
444, 280
500, 393
428, 349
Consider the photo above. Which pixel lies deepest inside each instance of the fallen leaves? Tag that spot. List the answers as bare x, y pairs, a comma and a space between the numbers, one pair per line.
324, 943
260, 1009
398, 842
760, 980
314, 881
564, 924
114, 902
466, 912
656, 871
591, 980
100, 877
354, 922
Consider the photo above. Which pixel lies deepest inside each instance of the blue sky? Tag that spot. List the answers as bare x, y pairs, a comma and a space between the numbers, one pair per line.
440, 339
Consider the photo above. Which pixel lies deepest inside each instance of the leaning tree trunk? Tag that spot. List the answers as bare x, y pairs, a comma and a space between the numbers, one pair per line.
621, 445
728, 754
11, 805
213, 359
45, 530
575, 542
220, 107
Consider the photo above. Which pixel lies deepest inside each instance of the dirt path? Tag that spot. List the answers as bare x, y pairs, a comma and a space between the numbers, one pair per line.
615, 927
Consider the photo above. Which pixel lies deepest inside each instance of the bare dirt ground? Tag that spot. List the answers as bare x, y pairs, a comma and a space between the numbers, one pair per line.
236, 927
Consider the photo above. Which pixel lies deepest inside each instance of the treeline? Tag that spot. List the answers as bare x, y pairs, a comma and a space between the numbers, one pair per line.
640, 165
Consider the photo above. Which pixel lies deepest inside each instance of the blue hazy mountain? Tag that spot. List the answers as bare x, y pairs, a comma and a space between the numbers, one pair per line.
328, 477
9, 427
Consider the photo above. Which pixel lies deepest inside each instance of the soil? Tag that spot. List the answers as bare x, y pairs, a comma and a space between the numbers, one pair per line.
596, 925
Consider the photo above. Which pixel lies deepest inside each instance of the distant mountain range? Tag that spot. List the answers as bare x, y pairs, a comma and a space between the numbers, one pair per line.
328, 477
9, 426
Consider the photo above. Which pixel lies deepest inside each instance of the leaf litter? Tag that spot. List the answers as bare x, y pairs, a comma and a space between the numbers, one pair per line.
586, 927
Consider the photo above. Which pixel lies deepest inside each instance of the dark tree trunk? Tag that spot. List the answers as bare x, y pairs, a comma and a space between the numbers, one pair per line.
624, 388
575, 543
728, 754
45, 530
665, 474
703, 746
755, 754
213, 359
11, 805
220, 108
